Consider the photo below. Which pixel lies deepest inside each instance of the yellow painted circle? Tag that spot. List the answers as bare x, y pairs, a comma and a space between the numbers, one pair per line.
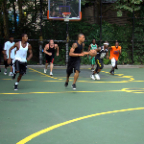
34, 135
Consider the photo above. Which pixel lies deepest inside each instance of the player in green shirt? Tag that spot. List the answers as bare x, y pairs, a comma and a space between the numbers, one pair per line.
92, 59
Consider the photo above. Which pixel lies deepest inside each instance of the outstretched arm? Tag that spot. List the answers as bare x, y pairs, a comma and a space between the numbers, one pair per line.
30, 52
45, 50
57, 47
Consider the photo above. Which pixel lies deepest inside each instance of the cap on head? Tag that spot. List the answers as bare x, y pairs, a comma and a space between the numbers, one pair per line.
106, 43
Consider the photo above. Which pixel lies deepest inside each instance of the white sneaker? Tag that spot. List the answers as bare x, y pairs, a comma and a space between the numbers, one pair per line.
51, 74
97, 76
5, 72
10, 74
45, 70
92, 77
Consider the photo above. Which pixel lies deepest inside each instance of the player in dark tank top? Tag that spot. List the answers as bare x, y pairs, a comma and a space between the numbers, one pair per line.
49, 50
75, 53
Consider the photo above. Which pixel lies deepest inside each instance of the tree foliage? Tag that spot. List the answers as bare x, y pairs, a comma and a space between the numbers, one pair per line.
129, 5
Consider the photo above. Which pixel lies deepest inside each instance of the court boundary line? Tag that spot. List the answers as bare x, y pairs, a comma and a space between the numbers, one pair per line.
38, 133
45, 74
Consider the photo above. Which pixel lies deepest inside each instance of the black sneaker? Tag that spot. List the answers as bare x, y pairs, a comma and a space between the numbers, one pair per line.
74, 86
13, 77
15, 87
66, 84
0, 69
116, 67
112, 73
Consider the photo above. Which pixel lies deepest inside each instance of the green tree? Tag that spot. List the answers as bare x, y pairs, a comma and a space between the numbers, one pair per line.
5, 18
129, 5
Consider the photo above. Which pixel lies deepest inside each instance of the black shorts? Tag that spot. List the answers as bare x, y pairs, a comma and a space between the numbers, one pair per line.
99, 63
20, 67
49, 59
73, 64
6, 63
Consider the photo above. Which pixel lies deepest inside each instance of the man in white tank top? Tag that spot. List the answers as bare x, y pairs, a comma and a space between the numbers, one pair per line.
21, 58
7, 46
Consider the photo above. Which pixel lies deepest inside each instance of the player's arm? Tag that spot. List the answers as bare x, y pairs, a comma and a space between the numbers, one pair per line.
107, 55
72, 54
14, 46
98, 49
89, 48
45, 50
120, 51
4, 52
57, 47
30, 52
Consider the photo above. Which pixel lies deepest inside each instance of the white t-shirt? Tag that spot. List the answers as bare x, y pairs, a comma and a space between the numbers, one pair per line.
7, 47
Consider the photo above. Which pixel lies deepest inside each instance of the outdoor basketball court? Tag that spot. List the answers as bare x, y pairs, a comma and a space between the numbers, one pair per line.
43, 111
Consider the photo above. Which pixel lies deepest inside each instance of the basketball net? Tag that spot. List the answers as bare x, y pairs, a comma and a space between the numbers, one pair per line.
66, 16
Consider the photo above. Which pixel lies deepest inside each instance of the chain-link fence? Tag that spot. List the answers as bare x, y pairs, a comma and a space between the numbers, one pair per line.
101, 22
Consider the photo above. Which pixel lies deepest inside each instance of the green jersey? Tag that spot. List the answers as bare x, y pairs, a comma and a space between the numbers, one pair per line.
93, 47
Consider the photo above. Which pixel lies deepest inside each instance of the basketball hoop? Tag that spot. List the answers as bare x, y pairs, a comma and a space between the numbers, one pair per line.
66, 16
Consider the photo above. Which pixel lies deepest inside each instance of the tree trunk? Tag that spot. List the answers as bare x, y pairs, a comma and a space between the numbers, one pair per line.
20, 11
14, 12
96, 11
5, 19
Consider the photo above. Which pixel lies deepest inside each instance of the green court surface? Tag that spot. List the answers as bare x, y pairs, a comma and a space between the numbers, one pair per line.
43, 111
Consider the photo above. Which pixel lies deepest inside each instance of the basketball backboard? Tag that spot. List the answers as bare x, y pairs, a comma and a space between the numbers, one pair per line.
56, 8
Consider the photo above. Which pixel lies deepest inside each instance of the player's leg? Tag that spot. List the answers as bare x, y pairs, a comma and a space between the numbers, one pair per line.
69, 71
93, 63
76, 75
51, 67
99, 63
6, 65
100, 67
113, 63
21, 69
116, 66
11, 68
46, 65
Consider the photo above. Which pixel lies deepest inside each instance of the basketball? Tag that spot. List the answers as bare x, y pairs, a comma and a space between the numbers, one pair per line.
92, 53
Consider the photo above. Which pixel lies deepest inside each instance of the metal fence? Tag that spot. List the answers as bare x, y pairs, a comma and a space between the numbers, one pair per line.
132, 45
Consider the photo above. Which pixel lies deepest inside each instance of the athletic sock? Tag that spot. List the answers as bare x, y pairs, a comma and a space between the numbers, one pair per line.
16, 83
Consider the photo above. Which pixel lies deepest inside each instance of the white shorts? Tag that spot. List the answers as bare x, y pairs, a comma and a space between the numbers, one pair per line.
113, 62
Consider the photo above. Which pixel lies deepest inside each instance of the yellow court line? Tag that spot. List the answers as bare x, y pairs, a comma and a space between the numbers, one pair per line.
21, 80
122, 90
63, 92
34, 135
42, 73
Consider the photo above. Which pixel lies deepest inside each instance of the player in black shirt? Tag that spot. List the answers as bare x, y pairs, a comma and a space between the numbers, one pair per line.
102, 52
74, 60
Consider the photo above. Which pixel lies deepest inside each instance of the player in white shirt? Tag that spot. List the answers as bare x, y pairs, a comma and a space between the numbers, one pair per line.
7, 47
21, 58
